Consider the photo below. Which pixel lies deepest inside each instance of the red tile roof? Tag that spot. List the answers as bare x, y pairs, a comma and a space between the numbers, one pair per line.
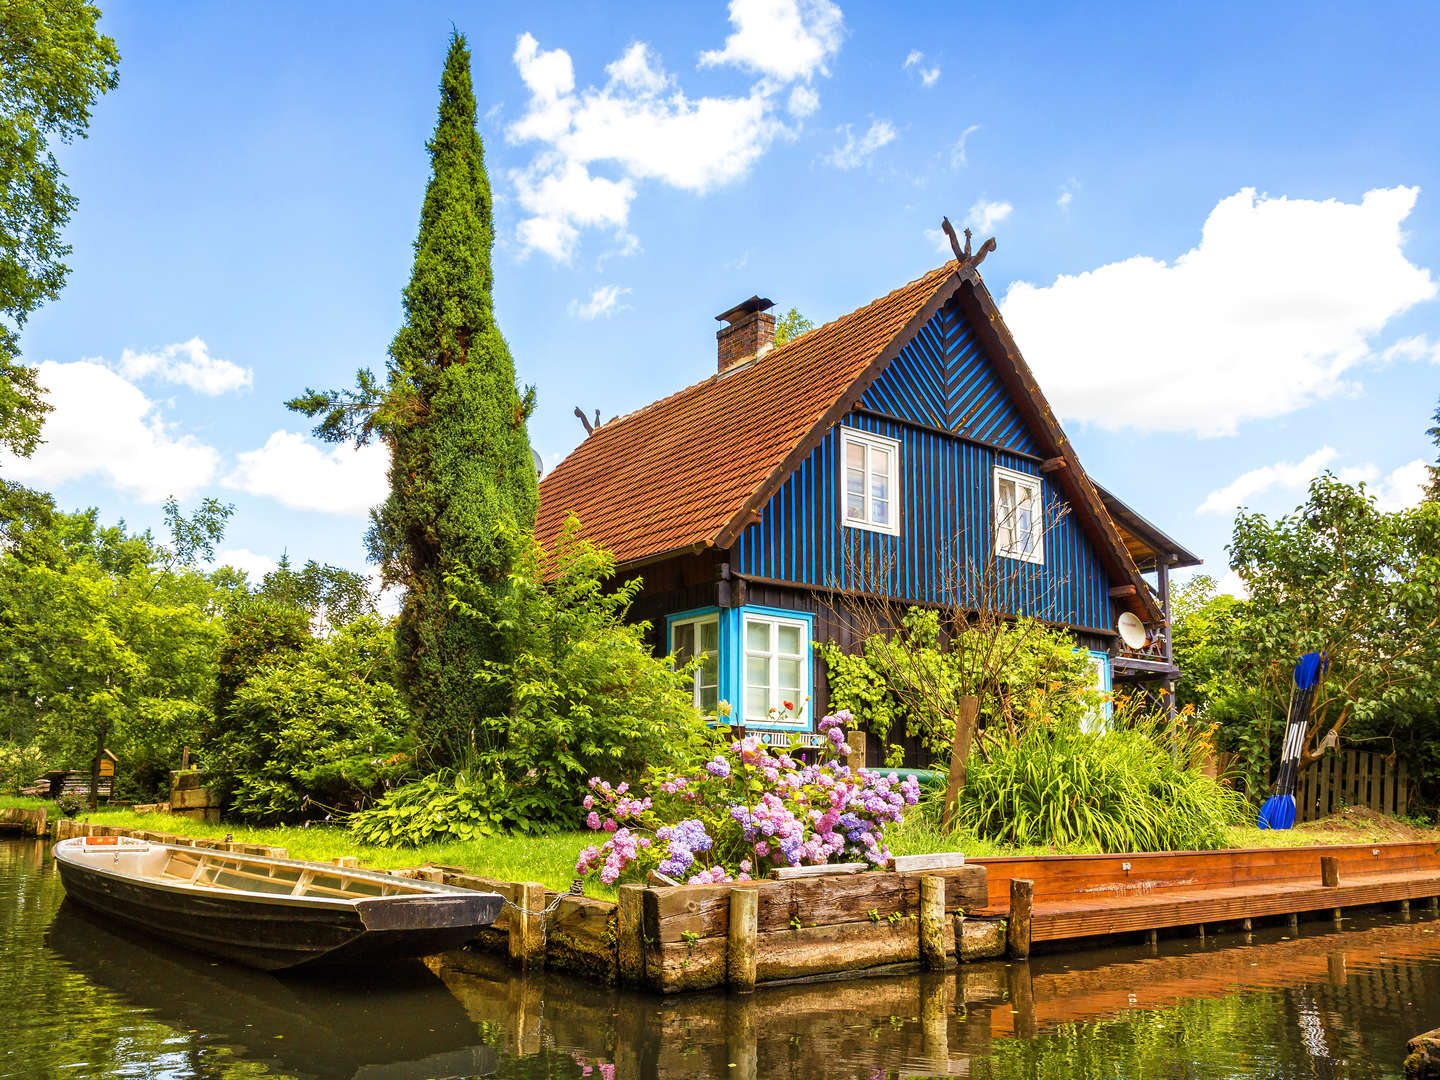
676, 474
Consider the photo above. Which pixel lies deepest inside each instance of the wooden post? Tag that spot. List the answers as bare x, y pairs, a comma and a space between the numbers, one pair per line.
1339, 915
932, 924
1329, 871
740, 942
1201, 929
184, 758
741, 1031
966, 716
1434, 905
527, 927
1245, 925
935, 992
1405, 910
1293, 922
1017, 926
1021, 986
630, 935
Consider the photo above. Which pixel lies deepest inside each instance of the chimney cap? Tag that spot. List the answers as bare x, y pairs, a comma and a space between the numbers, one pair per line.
745, 307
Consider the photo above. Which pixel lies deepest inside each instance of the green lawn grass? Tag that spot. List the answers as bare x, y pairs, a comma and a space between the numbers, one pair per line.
550, 859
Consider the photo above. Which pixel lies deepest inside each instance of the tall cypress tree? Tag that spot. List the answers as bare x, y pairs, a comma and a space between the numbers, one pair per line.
462, 479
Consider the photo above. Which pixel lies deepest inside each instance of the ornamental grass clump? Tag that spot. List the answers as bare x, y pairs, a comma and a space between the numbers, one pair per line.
1139, 788
746, 811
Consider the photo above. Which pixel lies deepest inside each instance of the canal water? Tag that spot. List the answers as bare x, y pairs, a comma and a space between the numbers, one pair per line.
80, 998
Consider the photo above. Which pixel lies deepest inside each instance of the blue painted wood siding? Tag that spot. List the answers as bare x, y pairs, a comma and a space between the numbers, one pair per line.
944, 379
946, 491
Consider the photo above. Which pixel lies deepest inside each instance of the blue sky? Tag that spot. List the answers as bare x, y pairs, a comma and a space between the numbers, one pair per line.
1216, 226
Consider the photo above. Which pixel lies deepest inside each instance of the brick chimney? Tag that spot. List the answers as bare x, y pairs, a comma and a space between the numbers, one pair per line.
748, 335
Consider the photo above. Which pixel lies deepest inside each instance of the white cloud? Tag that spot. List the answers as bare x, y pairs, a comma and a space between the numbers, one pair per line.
603, 301
1283, 475
1065, 199
1403, 487
787, 40
1269, 312
958, 157
855, 150
255, 565
928, 76
103, 426
599, 143
940, 242
985, 215
188, 363
1231, 585
804, 100
303, 475
1414, 348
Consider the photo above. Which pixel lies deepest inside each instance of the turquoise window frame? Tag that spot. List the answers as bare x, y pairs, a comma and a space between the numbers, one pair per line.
1107, 709
732, 664
700, 613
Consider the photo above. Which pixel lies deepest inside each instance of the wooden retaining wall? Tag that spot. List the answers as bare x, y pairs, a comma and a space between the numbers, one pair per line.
27, 822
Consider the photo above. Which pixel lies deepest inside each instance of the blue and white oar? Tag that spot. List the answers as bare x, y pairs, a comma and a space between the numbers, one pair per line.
1279, 810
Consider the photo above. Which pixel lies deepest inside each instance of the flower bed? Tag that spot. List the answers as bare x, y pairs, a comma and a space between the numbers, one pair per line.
747, 811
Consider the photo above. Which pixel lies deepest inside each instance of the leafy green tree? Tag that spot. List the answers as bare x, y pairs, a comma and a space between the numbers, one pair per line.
1339, 576
462, 480
1432, 492
54, 65
330, 594
110, 638
317, 730
790, 326
588, 697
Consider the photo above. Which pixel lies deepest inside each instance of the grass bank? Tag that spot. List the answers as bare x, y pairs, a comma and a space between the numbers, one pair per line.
550, 859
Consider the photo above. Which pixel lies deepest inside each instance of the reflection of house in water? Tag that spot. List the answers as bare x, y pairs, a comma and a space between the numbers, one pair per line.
1281, 1008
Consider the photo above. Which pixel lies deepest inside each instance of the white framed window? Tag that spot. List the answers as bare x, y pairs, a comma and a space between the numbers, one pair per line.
1019, 516
1099, 719
869, 481
776, 667
690, 638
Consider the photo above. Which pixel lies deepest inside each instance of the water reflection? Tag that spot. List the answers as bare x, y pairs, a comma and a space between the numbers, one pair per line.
87, 999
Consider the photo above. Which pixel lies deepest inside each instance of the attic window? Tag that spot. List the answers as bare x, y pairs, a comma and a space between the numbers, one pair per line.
869, 487
1019, 516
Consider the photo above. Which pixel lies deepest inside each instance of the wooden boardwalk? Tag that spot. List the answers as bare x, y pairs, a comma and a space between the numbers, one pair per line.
1083, 896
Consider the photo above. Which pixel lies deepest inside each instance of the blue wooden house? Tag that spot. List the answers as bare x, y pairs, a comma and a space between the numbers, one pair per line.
904, 448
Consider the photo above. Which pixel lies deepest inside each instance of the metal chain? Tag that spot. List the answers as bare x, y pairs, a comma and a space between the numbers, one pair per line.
548, 908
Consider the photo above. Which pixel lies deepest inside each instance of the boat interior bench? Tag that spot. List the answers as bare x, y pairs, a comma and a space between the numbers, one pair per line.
1091, 895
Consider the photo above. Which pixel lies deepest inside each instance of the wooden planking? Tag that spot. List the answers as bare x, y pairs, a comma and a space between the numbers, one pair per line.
1180, 908
1062, 877
946, 513
703, 910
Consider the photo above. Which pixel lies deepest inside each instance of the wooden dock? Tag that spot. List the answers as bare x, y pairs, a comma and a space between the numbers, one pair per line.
670, 939
1090, 896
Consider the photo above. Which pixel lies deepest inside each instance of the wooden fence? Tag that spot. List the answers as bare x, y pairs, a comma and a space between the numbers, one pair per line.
1352, 778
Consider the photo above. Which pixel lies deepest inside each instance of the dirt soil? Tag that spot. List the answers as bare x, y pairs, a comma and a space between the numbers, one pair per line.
1358, 824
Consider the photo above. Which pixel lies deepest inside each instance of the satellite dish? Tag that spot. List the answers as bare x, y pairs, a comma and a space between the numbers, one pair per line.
1131, 630
539, 462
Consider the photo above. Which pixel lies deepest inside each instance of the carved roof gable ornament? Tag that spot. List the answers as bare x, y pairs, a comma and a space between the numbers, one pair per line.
964, 257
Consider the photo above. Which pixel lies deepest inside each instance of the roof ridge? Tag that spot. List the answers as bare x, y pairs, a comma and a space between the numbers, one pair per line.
810, 336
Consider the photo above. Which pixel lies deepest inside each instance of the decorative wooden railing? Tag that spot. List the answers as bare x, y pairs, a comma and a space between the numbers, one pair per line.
1352, 778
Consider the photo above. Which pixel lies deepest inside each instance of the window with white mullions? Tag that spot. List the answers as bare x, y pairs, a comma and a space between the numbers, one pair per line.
690, 638
776, 655
1019, 516
870, 469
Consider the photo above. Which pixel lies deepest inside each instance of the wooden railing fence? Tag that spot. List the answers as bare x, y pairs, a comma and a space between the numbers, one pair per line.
1352, 778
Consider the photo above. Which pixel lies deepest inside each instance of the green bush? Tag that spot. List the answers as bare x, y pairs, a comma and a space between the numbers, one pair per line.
444, 807
586, 695
1135, 789
317, 730
1044, 674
